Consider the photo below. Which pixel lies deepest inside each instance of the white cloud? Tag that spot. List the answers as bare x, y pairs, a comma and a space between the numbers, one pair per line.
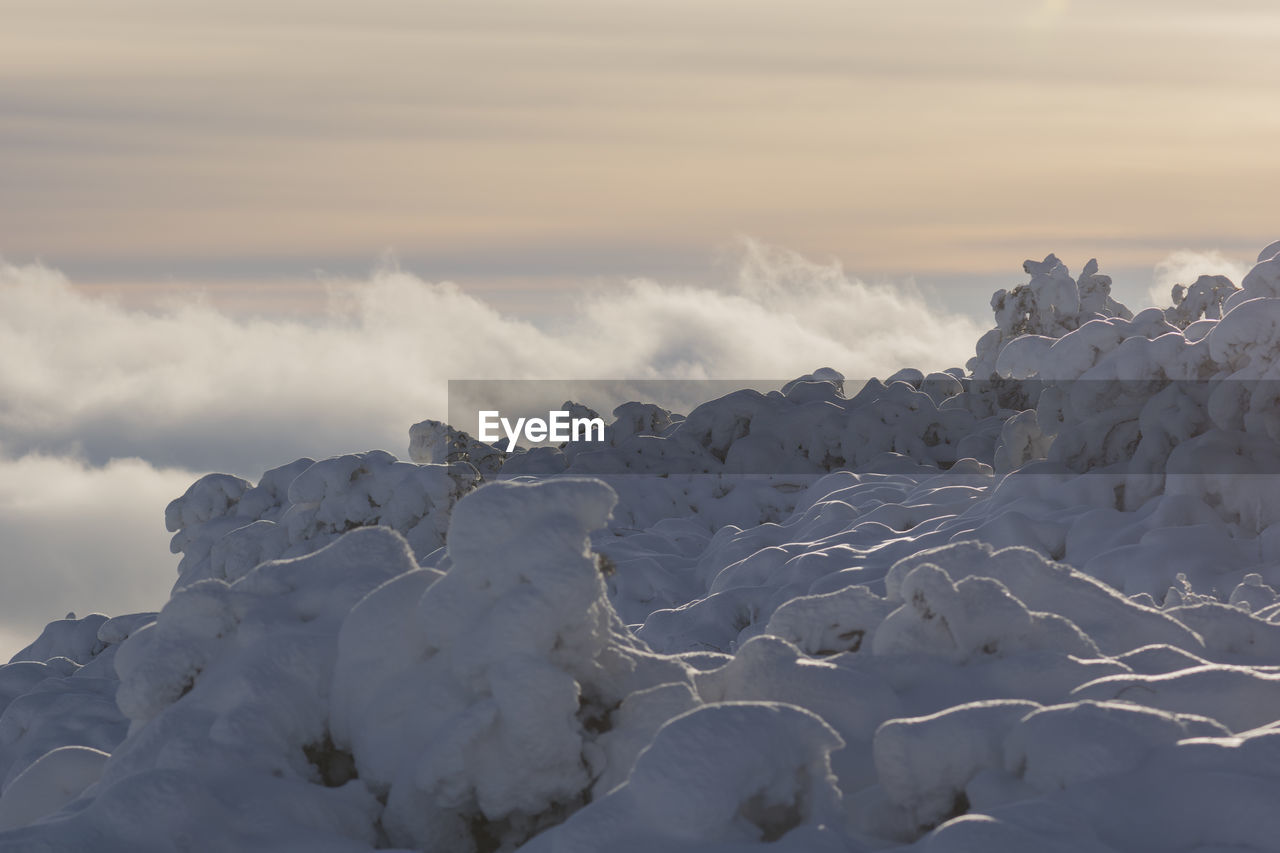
81, 538
150, 398
193, 386
1185, 266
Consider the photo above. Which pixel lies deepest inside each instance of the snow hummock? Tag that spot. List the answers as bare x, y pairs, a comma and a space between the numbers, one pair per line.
1026, 605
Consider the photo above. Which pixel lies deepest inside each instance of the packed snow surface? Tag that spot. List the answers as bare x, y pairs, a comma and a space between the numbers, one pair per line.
1025, 605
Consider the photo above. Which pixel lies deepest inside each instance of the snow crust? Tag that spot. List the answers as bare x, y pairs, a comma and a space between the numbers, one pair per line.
1026, 605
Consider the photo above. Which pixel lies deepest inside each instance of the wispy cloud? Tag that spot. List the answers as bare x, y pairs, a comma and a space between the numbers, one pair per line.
193, 386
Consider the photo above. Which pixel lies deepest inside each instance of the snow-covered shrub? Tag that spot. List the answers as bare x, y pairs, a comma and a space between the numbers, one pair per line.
230, 685
1049, 306
924, 764
1201, 300
473, 703
58, 695
437, 443
721, 777
223, 526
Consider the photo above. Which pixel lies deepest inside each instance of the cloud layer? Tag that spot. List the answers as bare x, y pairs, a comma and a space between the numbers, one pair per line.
81, 538
189, 385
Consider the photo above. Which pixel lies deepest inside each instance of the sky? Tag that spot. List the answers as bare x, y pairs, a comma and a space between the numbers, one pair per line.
513, 144
234, 234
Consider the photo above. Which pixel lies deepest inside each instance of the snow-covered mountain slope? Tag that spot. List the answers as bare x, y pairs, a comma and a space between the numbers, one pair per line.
1027, 605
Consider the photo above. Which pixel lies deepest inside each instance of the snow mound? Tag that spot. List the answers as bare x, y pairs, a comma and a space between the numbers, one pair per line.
729, 772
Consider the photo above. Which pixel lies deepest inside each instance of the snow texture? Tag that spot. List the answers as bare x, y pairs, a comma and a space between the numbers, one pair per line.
1026, 605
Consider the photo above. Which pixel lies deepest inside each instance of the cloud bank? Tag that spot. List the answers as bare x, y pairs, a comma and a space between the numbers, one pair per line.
81, 538
189, 385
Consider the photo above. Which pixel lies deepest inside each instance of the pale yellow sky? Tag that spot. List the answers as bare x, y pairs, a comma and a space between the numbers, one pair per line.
239, 141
